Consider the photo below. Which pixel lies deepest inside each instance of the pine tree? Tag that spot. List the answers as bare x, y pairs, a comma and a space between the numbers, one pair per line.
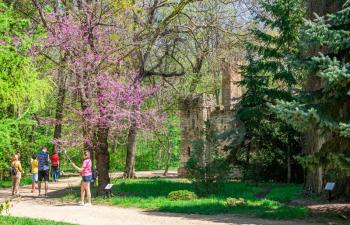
325, 110
270, 76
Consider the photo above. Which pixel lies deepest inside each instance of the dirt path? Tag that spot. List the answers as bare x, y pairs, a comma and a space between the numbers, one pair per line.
29, 205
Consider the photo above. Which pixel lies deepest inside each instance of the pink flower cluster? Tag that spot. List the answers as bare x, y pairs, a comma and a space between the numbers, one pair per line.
110, 99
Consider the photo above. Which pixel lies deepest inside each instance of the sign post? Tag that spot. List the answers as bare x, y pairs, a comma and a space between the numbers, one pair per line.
329, 187
108, 190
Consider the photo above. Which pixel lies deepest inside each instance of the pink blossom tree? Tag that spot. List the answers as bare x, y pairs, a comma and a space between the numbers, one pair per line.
110, 100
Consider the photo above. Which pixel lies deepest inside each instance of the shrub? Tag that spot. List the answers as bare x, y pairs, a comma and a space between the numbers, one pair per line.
4, 207
235, 201
182, 195
208, 166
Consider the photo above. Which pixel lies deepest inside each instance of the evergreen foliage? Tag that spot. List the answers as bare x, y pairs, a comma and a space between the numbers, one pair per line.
269, 76
325, 109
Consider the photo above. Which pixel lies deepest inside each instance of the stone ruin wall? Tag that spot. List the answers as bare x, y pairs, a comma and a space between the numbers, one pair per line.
197, 109
230, 91
222, 120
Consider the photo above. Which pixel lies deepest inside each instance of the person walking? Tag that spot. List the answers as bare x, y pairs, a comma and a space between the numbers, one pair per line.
86, 173
55, 163
43, 169
34, 171
16, 173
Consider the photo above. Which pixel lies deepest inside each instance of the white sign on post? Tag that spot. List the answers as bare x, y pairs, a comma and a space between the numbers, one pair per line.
329, 186
108, 186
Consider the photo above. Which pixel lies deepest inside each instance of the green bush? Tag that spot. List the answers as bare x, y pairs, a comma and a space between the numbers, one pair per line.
235, 201
4, 207
207, 166
182, 195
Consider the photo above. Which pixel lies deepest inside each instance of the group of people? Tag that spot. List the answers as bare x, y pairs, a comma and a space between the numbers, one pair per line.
40, 172
40, 169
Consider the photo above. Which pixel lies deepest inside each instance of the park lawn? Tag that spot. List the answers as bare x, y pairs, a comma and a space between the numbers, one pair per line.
152, 194
10, 220
8, 183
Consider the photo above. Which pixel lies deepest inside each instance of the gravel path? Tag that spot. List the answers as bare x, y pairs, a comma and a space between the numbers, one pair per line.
29, 205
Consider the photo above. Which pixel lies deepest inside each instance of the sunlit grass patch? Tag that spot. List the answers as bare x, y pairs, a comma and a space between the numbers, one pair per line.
152, 194
8, 183
10, 220
284, 192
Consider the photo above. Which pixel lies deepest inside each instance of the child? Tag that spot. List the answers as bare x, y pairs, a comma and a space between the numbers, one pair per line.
86, 173
16, 173
55, 163
34, 164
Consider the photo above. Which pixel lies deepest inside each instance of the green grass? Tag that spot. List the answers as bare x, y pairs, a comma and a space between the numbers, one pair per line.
152, 194
10, 220
8, 183
284, 192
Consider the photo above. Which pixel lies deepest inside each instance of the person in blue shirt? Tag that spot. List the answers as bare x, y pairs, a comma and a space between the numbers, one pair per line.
43, 169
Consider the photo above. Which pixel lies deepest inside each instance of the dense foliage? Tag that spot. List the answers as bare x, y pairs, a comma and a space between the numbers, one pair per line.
108, 78
22, 91
324, 109
207, 165
269, 75
156, 150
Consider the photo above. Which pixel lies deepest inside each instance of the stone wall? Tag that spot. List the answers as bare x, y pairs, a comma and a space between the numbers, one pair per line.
230, 90
195, 111
222, 120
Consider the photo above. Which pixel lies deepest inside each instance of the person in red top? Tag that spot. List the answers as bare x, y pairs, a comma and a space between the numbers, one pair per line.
55, 165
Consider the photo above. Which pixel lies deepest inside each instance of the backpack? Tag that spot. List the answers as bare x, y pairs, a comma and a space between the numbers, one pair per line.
94, 175
13, 171
43, 160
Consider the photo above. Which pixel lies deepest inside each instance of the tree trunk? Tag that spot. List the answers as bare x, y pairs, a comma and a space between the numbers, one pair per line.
314, 176
323, 7
129, 171
289, 169
102, 159
60, 104
167, 164
114, 145
313, 180
313, 138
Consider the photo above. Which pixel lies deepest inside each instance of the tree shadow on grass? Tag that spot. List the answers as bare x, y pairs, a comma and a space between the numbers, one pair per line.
228, 219
260, 210
162, 187
149, 188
